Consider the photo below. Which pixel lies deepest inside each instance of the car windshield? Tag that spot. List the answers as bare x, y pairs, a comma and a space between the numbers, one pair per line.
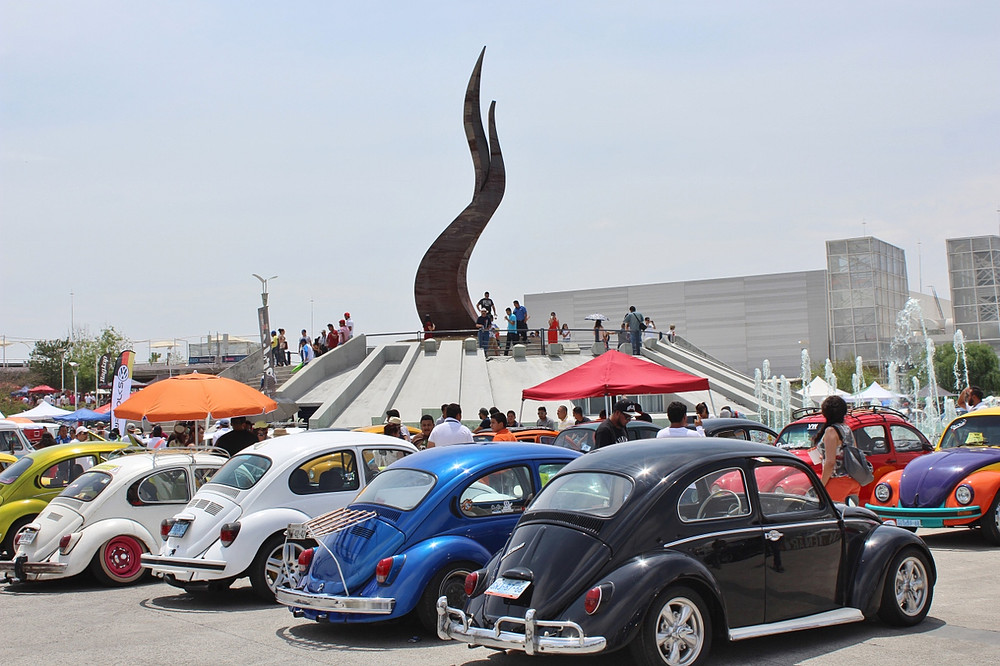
972, 431
87, 487
593, 493
243, 471
798, 436
401, 489
11, 474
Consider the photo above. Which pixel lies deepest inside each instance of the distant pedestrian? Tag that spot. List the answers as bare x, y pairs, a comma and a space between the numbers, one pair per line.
429, 327
307, 352
565, 333
677, 415
484, 423
498, 424
483, 332
486, 303
350, 325
332, 337
283, 356
578, 416
521, 315
451, 431
671, 334
275, 351
512, 419
562, 416
553, 328
650, 332
543, 419
343, 333
633, 320
444, 414
511, 321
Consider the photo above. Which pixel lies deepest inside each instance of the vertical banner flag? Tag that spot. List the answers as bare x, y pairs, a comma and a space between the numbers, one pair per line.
122, 386
102, 370
268, 382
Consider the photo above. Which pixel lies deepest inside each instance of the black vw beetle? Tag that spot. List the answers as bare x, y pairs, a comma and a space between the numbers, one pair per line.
666, 545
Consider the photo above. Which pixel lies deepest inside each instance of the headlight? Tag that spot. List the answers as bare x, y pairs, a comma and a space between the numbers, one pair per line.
963, 494
883, 492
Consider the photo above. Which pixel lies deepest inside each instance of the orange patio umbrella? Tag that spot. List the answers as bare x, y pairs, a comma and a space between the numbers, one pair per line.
194, 397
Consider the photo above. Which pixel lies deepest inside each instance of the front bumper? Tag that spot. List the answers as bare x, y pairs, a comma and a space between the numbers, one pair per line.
327, 603
928, 517
453, 624
181, 564
22, 568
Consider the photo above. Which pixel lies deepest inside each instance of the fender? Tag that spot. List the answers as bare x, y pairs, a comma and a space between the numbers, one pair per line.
11, 512
92, 537
255, 529
423, 561
864, 591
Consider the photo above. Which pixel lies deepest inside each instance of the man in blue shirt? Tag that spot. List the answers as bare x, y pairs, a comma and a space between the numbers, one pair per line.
633, 320
521, 314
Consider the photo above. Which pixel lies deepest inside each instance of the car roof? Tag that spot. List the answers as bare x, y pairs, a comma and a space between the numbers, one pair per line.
139, 462
647, 461
733, 422
985, 411
441, 459
42, 456
291, 447
592, 425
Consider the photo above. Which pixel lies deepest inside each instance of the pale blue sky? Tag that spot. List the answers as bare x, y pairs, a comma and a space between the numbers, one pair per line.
154, 155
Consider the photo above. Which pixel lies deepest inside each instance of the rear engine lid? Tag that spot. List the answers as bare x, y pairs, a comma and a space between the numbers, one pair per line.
206, 513
357, 549
55, 520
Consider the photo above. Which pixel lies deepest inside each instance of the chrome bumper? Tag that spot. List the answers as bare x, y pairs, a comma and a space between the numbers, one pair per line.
453, 624
327, 603
21, 568
181, 564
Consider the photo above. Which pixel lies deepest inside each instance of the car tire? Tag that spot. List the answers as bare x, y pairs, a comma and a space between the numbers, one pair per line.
7, 546
990, 522
265, 570
908, 589
681, 619
449, 581
116, 562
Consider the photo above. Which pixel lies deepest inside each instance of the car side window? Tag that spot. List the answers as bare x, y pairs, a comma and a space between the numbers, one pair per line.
499, 492
377, 460
906, 440
167, 486
717, 495
330, 473
203, 475
65, 472
785, 489
761, 436
731, 434
548, 470
871, 439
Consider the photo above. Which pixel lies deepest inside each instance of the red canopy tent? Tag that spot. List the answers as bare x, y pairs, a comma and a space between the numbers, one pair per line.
615, 373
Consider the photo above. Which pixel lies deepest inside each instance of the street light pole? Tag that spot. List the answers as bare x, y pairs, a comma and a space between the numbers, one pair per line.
268, 382
76, 393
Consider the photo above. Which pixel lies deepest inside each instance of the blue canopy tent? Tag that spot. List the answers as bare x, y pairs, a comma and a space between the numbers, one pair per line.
85, 415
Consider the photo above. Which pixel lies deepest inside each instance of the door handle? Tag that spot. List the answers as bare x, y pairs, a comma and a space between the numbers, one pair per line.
773, 535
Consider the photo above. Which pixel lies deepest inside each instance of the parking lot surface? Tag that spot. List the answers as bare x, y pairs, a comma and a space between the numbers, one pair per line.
76, 621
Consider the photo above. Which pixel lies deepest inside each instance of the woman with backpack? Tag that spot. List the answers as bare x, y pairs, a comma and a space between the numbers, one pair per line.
832, 438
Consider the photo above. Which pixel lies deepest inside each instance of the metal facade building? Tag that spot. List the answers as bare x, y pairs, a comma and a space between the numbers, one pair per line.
974, 273
741, 320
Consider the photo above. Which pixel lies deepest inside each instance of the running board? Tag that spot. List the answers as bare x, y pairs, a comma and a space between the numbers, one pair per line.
827, 619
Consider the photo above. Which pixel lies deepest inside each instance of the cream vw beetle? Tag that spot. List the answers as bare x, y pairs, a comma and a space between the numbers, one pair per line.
235, 525
111, 514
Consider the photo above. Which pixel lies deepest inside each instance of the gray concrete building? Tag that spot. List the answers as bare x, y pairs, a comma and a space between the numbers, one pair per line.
974, 274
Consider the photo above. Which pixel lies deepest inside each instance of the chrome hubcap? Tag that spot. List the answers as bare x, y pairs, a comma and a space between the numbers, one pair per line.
911, 586
680, 632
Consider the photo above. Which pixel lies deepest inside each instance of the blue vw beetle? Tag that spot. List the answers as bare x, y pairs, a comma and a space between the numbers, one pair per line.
415, 532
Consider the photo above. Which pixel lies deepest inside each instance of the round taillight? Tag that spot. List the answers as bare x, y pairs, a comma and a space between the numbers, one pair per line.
471, 581
382, 570
228, 533
592, 601
305, 559
165, 526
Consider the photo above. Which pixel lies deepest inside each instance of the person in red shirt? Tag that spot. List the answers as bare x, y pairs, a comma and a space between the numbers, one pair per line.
332, 337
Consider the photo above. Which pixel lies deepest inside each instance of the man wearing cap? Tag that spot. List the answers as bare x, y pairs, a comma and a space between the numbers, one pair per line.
82, 435
239, 438
612, 429
221, 428
260, 429
404, 432
451, 431
350, 325
677, 413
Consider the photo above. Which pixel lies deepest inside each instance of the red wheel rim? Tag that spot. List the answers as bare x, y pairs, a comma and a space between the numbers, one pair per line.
121, 557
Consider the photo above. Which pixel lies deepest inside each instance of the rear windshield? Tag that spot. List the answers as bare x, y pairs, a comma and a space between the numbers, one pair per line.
399, 488
10, 474
593, 493
87, 487
973, 431
576, 439
243, 471
798, 436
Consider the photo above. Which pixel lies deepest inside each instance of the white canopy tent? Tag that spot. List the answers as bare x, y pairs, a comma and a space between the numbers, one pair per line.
818, 389
43, 411
874, 392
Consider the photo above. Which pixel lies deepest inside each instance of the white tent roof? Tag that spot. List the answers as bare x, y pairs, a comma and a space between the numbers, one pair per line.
818, 389
43, 411
876, 392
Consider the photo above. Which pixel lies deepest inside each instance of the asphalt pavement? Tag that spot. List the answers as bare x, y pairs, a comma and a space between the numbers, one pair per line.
76, 621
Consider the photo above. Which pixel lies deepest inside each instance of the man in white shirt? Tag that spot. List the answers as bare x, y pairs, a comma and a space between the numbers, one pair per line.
677, 413
450, 431
971, 399
562, 414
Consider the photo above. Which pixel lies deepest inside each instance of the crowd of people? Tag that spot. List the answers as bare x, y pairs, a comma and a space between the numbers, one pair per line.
309, 348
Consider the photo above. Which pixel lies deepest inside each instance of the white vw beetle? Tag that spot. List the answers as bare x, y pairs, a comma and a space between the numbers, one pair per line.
235, 525
110, 515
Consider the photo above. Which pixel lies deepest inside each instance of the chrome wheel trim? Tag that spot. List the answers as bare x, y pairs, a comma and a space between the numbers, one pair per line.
910, 586
281, 563
680, 632
453, 587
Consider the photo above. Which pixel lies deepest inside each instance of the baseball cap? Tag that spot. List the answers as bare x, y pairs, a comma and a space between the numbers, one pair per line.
260, 425
395, 420
626, 407
81, 429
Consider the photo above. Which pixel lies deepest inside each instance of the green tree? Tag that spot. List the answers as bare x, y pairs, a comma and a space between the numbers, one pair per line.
984, 367
46, 361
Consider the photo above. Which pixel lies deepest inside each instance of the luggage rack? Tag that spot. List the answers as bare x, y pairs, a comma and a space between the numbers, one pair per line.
191, 451
852, 411
316, 528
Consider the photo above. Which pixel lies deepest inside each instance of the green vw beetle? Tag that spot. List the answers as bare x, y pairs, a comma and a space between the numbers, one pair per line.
27, 485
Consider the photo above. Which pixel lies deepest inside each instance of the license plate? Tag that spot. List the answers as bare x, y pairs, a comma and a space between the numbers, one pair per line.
179, 529
27, 537
508, 588
908, 522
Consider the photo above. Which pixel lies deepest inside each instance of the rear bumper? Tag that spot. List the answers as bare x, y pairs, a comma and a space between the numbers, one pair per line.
22, 569
181, 564
327, 603
453, 624
928, 517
